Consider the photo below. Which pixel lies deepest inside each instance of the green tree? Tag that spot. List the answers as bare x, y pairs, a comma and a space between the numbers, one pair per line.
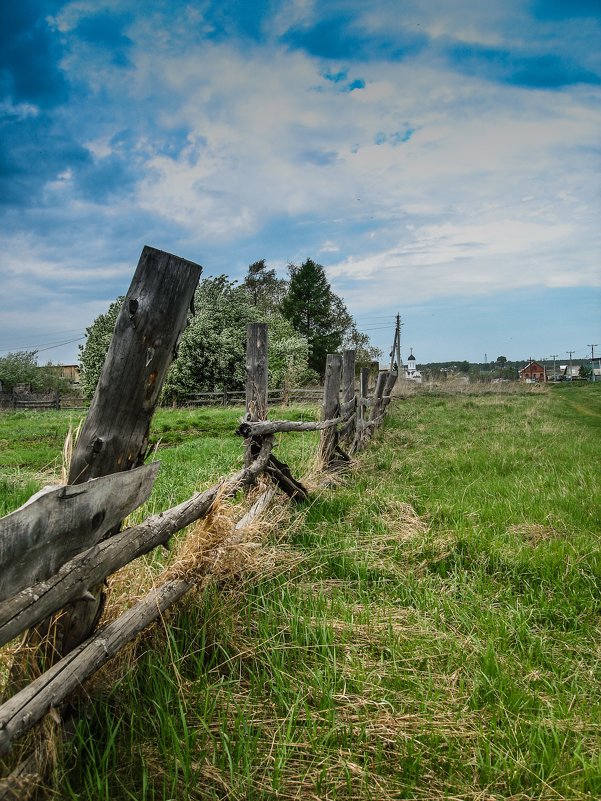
264, 289
212, 349
586, 371
288, 354
93, 352
365, 352
20, 367
315, 312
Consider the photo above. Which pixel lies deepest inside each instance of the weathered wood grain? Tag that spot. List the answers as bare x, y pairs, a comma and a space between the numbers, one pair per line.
60, 522
347, 432
35, 603
331, 408
114, 436
28, 706
262, 427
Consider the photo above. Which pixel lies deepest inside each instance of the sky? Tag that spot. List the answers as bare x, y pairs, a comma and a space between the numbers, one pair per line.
440, 159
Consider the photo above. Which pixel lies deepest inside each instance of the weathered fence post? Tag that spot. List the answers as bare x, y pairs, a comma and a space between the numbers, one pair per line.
362, 414
114, 436
389, 386
378, 393
347, 433
256, 409
256, 379
331, 409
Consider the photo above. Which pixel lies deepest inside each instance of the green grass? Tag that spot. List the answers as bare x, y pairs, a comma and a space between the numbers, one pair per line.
431, 629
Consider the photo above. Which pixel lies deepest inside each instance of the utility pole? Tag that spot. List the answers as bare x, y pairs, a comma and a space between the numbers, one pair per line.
396, 346
570, 352
554, 356
592, 347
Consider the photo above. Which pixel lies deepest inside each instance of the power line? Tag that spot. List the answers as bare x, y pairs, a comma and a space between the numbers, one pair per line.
47, 346
44, 335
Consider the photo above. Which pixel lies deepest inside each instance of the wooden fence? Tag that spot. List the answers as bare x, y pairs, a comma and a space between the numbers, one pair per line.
57, 550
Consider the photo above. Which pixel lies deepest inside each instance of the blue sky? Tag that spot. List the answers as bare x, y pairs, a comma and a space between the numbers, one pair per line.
440, 159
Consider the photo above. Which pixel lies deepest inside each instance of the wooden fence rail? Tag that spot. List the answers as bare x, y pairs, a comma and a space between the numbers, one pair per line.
57, 550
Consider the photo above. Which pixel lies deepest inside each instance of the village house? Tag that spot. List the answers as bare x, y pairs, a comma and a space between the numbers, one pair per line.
533, 372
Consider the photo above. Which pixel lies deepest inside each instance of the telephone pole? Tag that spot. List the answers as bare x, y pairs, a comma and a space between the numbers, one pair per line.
554, 356
592, 347
396, 346
570, 352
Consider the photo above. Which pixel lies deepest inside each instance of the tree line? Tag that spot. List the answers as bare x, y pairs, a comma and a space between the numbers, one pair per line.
306, 320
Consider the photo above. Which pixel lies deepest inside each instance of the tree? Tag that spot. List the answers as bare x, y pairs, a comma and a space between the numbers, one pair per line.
586, 371
20, 367
264, 289
501, 361
93, 352
315, 312
365, 352
288, 354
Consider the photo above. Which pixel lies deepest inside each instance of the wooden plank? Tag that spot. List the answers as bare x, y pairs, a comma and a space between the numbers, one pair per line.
35, 603
347, 433
48, 691
114, 436
59, 522
331, 408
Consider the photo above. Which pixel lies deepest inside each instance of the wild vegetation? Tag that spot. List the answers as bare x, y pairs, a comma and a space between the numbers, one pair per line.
425, 627
306, 320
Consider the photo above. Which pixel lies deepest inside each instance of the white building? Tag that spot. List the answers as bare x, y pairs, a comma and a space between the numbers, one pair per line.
411, 373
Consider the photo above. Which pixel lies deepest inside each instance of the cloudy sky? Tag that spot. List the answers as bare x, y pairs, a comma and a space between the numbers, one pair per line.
440, 158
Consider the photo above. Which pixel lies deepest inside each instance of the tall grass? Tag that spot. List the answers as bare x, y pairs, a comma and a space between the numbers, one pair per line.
428, 627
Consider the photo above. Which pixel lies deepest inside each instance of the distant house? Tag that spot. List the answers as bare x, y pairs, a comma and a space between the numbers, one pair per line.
533, 372
570, 372
69, 371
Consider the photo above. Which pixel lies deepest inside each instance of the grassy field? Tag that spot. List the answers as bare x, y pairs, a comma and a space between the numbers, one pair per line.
427, 628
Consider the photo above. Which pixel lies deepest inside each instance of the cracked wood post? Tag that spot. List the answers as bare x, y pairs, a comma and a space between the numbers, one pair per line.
114, 436
362, 408
256, 380
348, 394
378, 393
331, 406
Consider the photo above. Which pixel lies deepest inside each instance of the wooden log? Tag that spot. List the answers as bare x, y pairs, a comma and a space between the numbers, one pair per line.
256, 371
362, 406
331, 407
114, 436
256, 379
71, 582
60, 522
27, 707
390, 384
378, 392
260, 428
348, 402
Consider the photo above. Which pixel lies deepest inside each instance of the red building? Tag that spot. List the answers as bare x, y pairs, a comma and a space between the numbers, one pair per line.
533, 372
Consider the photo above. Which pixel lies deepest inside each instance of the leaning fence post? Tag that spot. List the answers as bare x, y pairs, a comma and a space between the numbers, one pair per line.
378, 393
331, 408
349, 401
114, 436
256, 379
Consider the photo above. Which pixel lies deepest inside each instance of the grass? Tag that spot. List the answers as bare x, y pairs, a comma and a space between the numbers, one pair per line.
426, 628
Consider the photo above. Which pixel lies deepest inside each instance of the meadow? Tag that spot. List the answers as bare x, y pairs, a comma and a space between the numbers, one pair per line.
426, 626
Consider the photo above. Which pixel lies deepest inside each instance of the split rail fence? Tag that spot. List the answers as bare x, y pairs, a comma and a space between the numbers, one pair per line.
57, 550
